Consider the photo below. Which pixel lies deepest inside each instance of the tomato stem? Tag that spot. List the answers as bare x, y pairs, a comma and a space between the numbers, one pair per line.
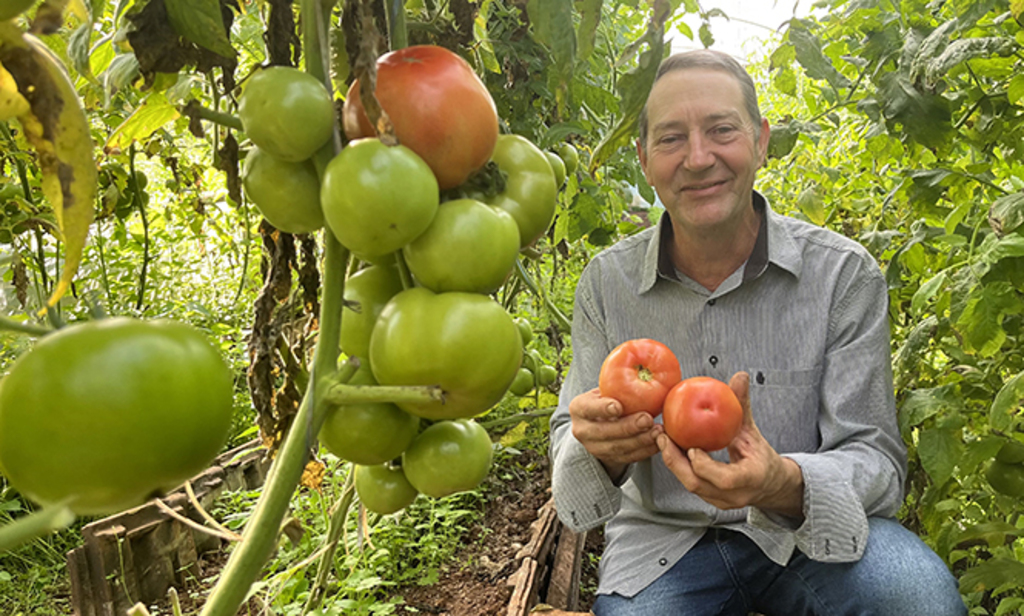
340, 393
644, 373
10, 325
339, 514
34, 525
561, 320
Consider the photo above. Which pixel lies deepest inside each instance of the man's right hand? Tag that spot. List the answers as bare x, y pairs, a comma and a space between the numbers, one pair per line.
615, 440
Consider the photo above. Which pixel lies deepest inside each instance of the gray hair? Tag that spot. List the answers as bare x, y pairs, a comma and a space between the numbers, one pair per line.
713, 60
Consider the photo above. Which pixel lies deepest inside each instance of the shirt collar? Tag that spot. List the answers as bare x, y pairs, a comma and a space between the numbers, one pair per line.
773, 245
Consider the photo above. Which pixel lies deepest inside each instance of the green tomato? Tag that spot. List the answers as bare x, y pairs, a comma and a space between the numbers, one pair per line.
546, 375
383, 489
448, 457
567, 152
533, 360
371, 433
368, 290
1012, 452
286, 112
525, 331
523, 383
463, 342
469, 247
287, 194
557, 167
108, 413
1006, 478
376, 198
530, 190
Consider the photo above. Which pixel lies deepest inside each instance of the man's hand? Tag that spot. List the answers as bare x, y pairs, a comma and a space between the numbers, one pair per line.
756, 476
615, 440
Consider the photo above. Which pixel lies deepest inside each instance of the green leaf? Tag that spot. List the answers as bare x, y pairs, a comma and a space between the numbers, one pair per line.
916, 342
981, 322
150, 116
994, 533
1007, 403
967, 49
812, 204
921, 404
201, 22
926, 118
994, 248
808, 53
590, 17
927, 291
1015, 91
1007, 213
1017, 8
939, 450
1009, 606
992, 574
78, 51
553, 26
930, 47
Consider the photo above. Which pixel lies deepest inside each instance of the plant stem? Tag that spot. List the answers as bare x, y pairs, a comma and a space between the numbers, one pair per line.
514, 419
219, 117
561, 320
38, 524
362, 394
137, 198
334, 532
10, 325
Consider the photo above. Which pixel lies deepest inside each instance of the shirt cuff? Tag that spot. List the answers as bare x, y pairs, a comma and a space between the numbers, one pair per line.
585, 496
835, 526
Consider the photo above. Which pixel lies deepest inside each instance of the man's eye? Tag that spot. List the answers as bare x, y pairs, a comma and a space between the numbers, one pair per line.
723, 130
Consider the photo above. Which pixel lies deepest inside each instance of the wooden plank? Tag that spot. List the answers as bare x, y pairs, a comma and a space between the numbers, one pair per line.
564, 585
542, 535
81, 583
525, 594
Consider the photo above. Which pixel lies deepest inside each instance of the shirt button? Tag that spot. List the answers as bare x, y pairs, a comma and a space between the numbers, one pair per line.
711, 302
663, 562
760, 378
714, 360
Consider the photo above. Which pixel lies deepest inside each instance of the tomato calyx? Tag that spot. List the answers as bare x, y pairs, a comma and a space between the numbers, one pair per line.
485, 183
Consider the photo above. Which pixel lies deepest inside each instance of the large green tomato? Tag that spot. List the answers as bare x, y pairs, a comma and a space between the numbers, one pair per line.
463, 342
111, 412
287, 194
530, 190
371, 288
448, 457
468, 247
376, 198
286, 112
371, 433
383, 489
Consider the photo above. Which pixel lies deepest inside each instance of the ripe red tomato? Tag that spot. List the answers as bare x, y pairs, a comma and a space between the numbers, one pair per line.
702, 412
639, 374
439, 108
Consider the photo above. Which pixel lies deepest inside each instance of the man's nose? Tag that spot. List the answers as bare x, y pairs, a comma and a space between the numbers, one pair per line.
699, 154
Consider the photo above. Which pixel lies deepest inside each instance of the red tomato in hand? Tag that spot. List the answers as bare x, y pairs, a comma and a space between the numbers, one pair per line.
639, 374
702, 412
439, 108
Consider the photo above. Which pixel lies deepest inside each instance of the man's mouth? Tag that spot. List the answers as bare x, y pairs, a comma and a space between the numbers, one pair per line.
702, 186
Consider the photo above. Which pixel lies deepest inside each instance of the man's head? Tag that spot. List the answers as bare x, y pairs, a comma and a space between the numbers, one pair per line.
712, 60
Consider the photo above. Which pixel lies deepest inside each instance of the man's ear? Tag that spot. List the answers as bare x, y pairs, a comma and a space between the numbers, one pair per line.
762, 142
641, 153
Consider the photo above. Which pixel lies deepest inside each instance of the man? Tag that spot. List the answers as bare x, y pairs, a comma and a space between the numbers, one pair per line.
795, 517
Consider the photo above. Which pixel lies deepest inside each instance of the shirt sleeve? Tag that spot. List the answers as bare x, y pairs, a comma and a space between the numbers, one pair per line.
859, 469
585, 497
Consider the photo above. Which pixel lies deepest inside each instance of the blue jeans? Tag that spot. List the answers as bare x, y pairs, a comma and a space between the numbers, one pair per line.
726, 573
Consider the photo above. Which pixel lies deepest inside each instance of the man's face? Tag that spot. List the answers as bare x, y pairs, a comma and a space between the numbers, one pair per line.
702, 149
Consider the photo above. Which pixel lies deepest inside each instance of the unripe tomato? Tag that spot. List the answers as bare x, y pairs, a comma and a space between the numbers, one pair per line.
702, 412
287, 194
639, 374
1006, 478
376, 198
370, 433
567, 152
286, 112
111, 412
448, 457
525, 331
546, 375
439, 108
463, 342
523, 383
530, 191
557, 167
371, 288
469, 247
383, 489
1012, 452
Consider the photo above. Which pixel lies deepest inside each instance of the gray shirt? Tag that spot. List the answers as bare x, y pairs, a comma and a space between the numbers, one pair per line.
806, 317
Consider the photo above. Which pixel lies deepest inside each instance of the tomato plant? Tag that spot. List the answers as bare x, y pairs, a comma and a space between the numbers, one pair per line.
286, 112
639, 374
439, 108
448, 457
376, 198
286, 193
108, 413
423, 338
366, 293
369, 433
530, 190
469, 246
383, 489
702, 412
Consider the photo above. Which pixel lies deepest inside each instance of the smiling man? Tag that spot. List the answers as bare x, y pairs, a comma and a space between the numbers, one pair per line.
795, 516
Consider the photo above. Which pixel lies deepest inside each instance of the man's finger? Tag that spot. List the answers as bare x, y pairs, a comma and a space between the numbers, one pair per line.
629, 427
740, 385
593, 406
677, 462
718, 474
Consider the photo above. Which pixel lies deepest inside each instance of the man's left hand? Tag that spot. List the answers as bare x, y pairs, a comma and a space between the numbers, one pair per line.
756, 475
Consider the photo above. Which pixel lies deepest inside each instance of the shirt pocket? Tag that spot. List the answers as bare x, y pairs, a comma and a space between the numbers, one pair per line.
785, 404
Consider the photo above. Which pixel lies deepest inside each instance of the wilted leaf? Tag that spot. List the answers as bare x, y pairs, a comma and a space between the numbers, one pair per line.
1007, 213
201, 22
151, 115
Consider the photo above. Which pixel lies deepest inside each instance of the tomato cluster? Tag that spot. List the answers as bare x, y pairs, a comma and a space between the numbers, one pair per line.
645, 377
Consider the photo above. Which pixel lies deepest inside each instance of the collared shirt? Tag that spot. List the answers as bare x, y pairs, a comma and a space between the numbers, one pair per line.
807, 317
